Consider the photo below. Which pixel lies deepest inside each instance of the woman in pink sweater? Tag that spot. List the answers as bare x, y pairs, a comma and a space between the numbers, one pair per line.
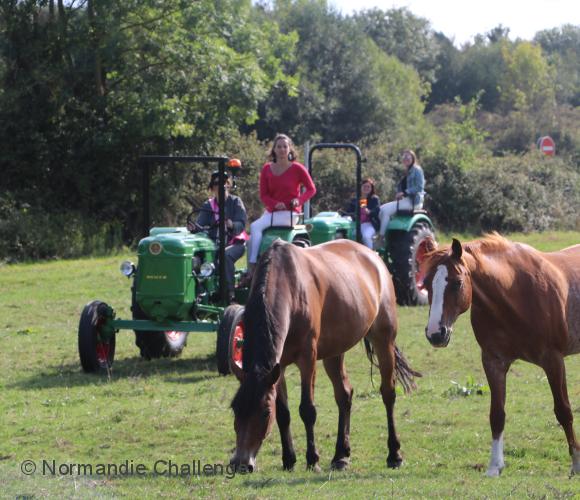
285, 185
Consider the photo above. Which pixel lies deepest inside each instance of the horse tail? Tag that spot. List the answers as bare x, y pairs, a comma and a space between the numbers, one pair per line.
370, 353
404, 373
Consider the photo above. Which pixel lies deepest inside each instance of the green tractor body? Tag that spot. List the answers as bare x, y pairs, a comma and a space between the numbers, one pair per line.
164, 281
327, 226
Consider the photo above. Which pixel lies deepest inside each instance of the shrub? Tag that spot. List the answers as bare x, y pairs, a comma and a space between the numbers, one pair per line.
30, 234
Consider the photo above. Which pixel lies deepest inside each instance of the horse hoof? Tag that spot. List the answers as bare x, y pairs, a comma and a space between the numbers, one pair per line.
288, 467
340, 464
394, 463
314, 468
493, 472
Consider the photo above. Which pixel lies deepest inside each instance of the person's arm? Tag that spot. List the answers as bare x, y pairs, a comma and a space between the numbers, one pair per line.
267, 200
415, 181
205, 216
373, 203
308, 183
239, 216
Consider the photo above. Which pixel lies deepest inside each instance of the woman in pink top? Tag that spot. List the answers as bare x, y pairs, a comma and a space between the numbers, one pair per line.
281, 190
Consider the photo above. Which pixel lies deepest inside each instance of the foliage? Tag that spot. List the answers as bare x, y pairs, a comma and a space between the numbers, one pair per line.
562, 47
349, 88
527, 193
401, 34
526, 82
471, 388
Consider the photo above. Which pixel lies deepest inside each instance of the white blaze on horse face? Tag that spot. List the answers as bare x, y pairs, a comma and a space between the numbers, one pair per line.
438, 292
496, 463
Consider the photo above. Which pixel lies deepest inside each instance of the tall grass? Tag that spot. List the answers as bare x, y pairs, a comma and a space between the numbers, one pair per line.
178, 410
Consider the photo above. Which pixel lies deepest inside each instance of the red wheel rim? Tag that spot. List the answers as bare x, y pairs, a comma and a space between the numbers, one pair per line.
103, 352
237, 343
174, 336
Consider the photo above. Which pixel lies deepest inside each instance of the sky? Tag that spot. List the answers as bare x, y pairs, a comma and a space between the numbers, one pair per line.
461, 20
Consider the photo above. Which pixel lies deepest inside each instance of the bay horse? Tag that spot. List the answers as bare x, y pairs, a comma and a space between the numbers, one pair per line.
307, 304
525, 304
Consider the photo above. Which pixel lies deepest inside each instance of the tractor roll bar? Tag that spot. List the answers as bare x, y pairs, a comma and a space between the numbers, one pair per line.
145, 163
359, 160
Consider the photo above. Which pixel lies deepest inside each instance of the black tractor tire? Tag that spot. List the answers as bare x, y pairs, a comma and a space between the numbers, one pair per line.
403, 248
152, 344
90, 347
301, 241
227, 325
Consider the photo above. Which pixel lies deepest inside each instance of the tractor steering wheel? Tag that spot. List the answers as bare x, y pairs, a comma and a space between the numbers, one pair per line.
192, 224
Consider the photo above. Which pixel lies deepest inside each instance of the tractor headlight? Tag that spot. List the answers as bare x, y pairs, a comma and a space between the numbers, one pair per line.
206, 269
127, 268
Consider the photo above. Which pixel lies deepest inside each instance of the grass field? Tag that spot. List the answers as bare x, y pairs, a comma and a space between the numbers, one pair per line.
150, 413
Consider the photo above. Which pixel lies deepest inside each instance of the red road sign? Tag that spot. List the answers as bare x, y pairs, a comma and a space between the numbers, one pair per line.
547, 145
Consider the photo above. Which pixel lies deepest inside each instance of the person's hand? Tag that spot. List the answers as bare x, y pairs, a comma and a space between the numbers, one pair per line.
190, 227
294, 202
400, 196
280, 206
229, 223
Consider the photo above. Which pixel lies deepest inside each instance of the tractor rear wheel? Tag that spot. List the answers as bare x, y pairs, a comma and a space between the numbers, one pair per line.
96, 353
405, 251
232, 316
301, 241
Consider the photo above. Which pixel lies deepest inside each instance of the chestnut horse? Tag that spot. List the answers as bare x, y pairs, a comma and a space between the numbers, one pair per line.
525, 304
304, 305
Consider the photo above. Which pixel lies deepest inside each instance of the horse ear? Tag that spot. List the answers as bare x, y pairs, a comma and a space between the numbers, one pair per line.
273, 376
456, 249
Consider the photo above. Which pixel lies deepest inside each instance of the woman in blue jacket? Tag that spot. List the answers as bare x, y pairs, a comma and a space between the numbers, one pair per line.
410, 192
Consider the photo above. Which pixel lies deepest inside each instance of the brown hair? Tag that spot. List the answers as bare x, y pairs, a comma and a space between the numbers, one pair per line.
413, 155
370, 181
291, 155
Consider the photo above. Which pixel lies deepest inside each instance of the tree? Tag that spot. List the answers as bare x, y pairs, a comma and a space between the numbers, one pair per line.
348, 87
405, 36
562, 49
526, 83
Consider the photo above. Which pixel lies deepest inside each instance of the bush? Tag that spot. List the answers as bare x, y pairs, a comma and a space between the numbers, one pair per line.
509, 194
31, 234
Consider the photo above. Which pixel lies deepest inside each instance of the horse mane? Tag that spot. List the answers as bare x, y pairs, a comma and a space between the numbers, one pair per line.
259, 321
490, 243
260, 326
251, 390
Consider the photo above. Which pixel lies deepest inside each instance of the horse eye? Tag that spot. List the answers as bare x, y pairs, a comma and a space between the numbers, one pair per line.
266, 413
455, 285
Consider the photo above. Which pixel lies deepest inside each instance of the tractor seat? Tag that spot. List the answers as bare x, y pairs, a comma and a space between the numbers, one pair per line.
411, 212
297, 226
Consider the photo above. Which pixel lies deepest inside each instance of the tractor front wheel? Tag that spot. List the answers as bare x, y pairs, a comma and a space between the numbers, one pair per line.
406, 249
226, 330
96, 353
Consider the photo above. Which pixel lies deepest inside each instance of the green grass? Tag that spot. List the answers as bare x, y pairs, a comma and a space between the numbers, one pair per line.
178, 410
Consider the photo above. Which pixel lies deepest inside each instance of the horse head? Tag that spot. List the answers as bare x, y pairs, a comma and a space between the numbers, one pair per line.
254, 407
448, 284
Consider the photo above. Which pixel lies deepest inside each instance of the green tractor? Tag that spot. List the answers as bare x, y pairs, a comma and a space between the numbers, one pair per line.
406, 237
178, 286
